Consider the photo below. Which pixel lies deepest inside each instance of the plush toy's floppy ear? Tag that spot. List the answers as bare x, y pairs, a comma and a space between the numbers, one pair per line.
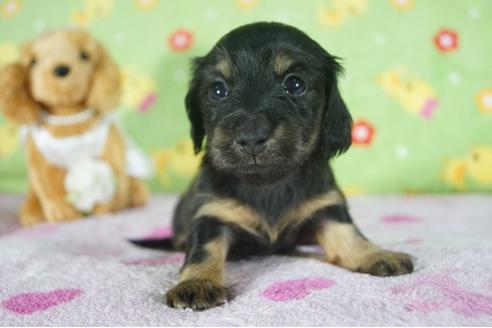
105, 90
336, 129
192, 103
15, 99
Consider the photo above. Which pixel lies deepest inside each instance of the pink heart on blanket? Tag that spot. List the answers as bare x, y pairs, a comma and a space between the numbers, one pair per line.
438, 292
160, 233
158, 260
28, 303
400, 218
287, 290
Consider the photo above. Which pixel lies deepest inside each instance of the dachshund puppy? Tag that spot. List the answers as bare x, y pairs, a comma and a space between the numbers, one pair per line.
266, 99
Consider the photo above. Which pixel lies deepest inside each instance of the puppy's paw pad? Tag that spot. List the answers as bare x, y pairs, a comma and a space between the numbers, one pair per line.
197, 295
386, 263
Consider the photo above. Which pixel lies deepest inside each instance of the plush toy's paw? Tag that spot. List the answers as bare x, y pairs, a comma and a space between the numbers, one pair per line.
139, 194
105, 208
386, 263
197, 295
59, 212
28, 219
118, 203
31, 212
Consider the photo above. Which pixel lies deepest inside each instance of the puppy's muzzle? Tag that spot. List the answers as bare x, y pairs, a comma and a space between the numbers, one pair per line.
251, 137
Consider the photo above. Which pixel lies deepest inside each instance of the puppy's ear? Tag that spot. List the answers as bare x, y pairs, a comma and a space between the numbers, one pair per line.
16, 101
105, 89
336, 128
192, 102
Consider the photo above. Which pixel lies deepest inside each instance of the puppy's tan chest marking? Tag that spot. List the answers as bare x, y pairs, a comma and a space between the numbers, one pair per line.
249, 219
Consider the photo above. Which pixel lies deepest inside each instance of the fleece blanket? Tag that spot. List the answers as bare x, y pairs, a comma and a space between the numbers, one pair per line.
85, 273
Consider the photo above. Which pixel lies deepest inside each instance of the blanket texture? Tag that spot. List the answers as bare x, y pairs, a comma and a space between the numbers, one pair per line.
86, 273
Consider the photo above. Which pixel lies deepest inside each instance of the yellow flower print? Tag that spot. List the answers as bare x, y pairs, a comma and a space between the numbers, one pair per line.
484, 101
179, 160
139, 91
8, 53
10, 8
8, 139
338, 12
247, 4
414, 95
146, 4
402, 5
91, 10
477, 165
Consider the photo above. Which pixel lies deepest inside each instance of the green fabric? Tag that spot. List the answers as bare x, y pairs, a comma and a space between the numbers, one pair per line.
427, 103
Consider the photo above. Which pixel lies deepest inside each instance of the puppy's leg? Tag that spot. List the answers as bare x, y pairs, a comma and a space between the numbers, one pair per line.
201, 284
345, 246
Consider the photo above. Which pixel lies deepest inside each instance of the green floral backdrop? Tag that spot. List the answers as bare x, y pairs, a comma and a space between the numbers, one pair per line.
418, 80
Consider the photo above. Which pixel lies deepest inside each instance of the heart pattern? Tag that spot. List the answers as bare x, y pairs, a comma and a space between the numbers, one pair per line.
28, 303
287, 290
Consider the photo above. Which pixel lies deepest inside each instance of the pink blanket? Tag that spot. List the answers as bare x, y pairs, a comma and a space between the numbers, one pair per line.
85, 273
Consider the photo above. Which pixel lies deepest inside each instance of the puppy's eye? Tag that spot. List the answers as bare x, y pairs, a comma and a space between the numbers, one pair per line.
84, 56
33, 61
218, 90
294, 85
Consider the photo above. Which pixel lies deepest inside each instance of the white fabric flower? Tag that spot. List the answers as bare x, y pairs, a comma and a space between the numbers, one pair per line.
89, 182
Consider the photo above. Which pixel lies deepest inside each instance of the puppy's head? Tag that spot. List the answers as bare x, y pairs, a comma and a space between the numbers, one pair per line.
266, 98
62, 68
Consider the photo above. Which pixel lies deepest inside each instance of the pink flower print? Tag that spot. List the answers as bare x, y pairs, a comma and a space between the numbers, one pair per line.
446, 40
180, 40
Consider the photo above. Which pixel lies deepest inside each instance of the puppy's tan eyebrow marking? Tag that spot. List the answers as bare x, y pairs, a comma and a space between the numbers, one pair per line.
281, 63
224, 67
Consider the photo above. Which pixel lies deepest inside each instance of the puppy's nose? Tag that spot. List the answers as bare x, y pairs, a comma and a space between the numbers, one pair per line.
252, 141
61, 70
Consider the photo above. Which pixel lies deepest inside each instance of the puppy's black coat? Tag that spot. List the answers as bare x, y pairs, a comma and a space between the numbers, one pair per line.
266, 99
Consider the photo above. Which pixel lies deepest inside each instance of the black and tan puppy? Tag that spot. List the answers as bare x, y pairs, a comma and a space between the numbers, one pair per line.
266, 99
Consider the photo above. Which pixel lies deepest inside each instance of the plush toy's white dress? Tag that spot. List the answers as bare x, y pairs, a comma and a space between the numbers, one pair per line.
89, 180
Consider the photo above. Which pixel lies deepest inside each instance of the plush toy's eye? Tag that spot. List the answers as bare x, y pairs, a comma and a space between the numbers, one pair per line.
84, 56
294, 85
218, 90
33, 61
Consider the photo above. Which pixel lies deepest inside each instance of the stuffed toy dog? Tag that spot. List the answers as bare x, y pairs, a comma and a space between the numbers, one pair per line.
79, 160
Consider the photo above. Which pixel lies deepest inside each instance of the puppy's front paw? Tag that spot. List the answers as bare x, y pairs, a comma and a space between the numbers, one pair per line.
387, 263
197, 295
